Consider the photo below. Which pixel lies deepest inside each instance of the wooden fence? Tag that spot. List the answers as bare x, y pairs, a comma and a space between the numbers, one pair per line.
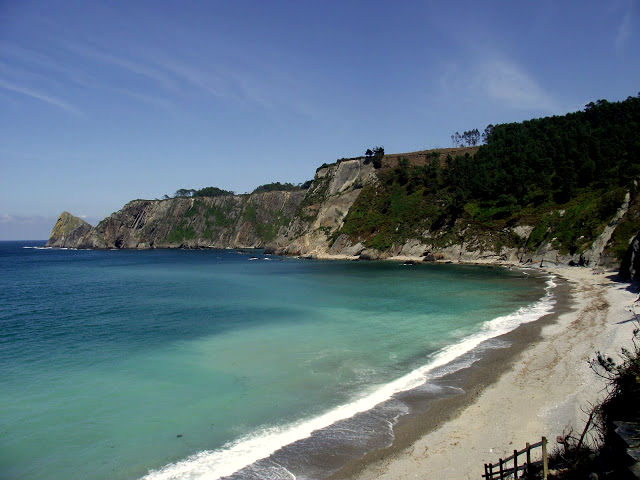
527, 468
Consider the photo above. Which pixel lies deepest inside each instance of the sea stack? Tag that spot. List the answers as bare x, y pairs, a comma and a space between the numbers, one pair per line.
68, 231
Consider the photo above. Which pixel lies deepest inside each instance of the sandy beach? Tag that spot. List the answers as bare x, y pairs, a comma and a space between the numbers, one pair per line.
538, 387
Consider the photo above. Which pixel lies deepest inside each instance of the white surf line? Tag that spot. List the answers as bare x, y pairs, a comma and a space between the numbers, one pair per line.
236, 455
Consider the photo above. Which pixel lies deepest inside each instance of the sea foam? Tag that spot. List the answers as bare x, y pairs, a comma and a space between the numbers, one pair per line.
234, 456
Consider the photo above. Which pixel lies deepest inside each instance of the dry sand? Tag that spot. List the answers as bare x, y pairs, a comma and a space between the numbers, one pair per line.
545, 391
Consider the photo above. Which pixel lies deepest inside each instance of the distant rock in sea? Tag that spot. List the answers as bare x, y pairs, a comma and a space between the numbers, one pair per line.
68, 231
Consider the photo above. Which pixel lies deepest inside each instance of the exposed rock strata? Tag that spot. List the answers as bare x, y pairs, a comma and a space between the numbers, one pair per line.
234, 221
68, 231
308, 223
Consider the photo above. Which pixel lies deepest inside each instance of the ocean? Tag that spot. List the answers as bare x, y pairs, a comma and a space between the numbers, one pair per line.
177, 364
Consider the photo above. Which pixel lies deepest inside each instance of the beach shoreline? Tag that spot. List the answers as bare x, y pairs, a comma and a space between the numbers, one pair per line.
535, 387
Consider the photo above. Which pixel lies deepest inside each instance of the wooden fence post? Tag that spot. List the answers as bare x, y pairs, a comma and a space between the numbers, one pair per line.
545, 461
486, 472
491, 470
528, 464
515, 464
501, 471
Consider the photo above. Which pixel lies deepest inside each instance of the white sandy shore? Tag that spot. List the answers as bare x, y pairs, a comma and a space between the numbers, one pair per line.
541, 395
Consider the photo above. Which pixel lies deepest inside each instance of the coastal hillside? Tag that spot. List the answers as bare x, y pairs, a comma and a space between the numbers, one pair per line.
220, 221
560, 189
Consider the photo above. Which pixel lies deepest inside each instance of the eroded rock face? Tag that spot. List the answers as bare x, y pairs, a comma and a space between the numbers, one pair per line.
68, 231
309, 222
237, 221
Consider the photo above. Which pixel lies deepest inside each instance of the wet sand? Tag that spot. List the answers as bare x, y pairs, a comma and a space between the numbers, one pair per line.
536, 386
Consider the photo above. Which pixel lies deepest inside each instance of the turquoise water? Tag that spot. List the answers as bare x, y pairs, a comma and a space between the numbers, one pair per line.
117, 363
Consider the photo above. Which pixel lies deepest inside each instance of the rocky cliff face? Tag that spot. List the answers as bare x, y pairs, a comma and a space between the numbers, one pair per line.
630, 264
312, 223
68, 231
205, 222
323, 210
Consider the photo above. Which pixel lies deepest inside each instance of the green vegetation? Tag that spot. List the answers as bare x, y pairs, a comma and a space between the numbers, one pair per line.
220, 218
317, 191
324, 165
579, 222
214, 215
470, 138
627, 229
276, 187
203, 192
212, 192
566, 175
266, 230
282, 187
205, 219
249, 213
181, 232
374, 156
555, 157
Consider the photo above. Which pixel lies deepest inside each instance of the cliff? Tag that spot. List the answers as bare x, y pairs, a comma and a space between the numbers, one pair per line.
347, 212
234, 221
556, 189
68, 231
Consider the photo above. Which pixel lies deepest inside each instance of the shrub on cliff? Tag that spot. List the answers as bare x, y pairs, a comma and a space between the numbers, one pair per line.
374, 156
203, 192
212, 192
277, 187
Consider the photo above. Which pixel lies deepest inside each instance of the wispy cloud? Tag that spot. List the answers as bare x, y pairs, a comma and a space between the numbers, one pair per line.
498, 80
43, 65
174, 76
129, 64
28, 67
208, 82
186, 77
43, 97
143, 73
507, 82
624, 29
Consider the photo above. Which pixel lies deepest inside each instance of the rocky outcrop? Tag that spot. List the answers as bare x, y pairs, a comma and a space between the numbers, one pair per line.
310, 223
68, 231
236, 221
593, 256
630, 264
324, 208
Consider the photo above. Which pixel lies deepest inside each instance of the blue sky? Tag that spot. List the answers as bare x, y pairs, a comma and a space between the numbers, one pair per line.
104, 102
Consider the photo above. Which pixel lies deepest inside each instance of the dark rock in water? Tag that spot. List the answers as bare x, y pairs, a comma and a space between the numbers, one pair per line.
630, 264
409, 262
582, 262
179, 435
370, 254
